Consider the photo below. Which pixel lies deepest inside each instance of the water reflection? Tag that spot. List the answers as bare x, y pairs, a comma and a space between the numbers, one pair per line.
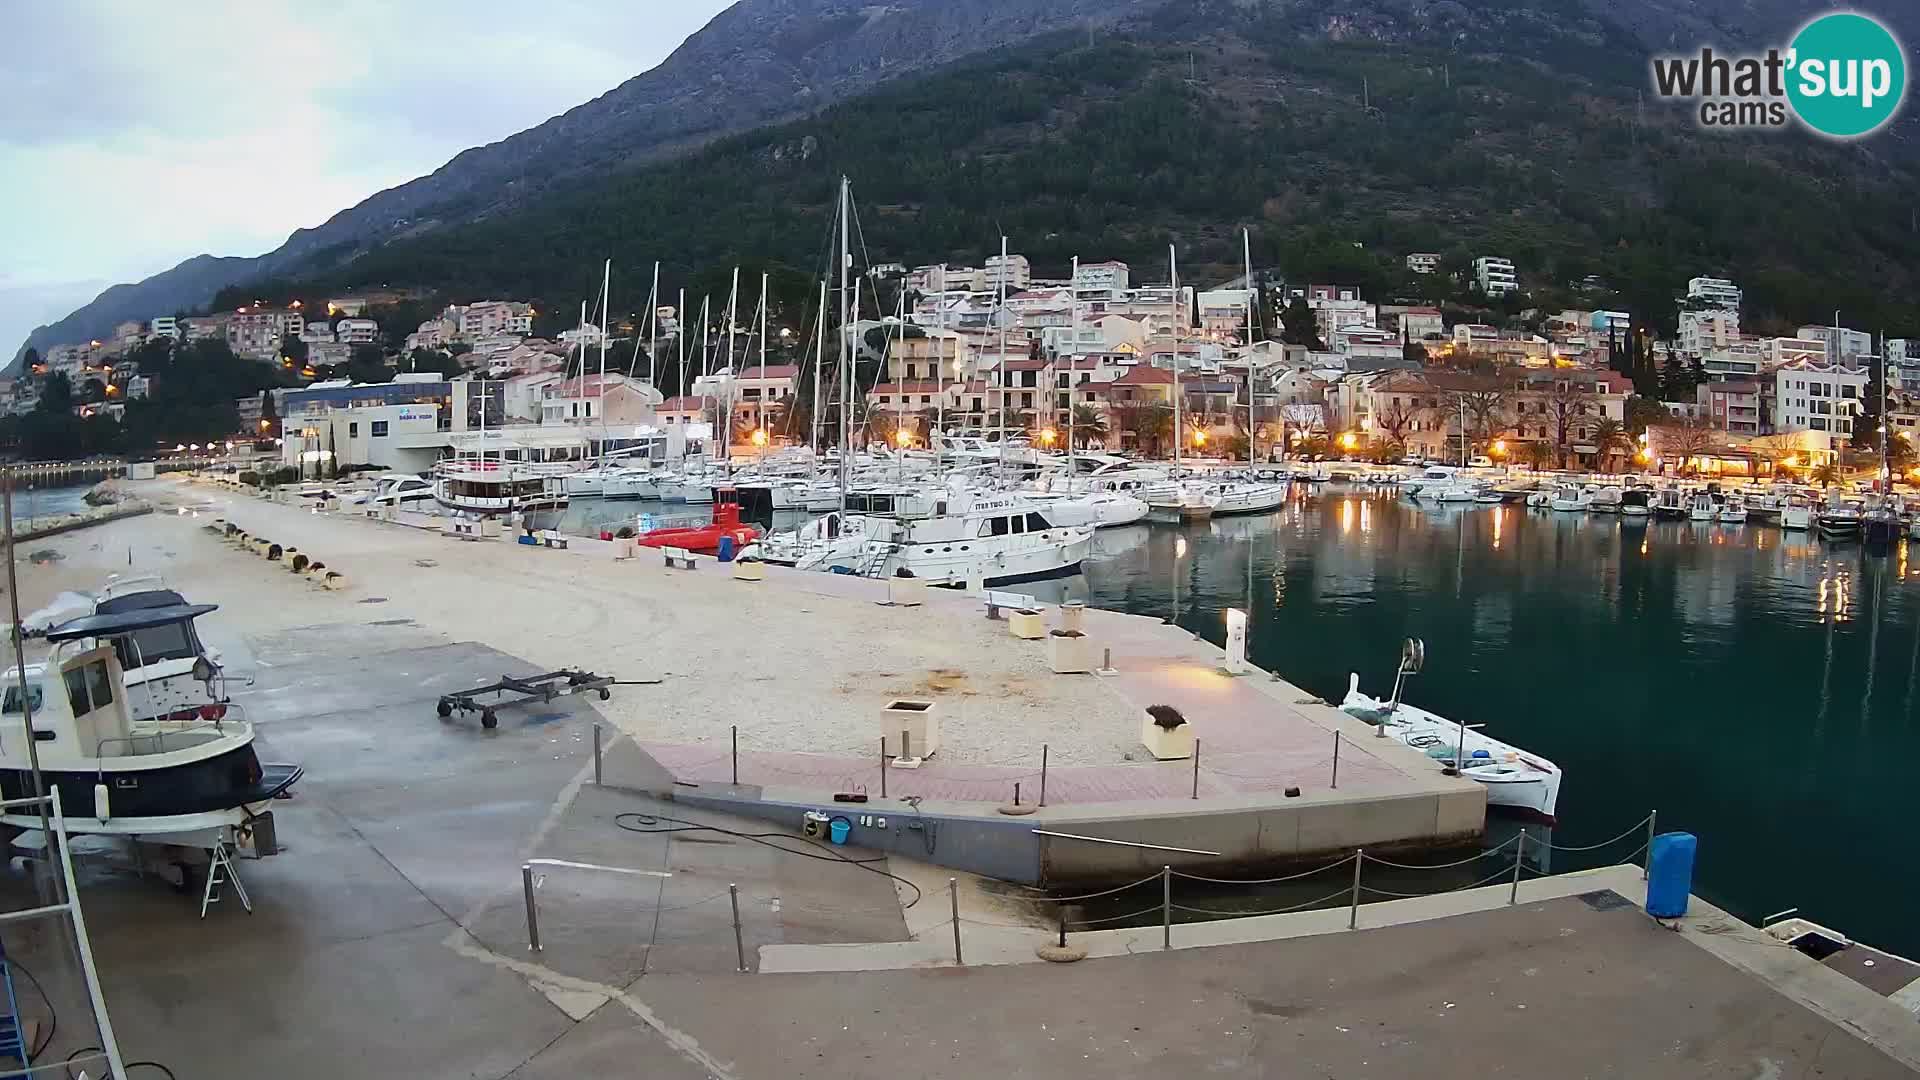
1696, 668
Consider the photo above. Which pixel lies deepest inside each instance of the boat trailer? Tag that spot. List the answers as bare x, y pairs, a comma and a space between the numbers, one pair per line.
543, 688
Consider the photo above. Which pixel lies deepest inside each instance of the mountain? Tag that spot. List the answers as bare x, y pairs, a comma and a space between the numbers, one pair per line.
757, 62
1105, 126
1342, 133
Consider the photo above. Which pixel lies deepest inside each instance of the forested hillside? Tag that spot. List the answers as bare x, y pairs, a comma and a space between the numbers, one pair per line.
1342, 139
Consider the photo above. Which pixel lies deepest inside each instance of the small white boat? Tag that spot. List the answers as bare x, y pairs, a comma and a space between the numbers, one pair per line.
1514, 778
1606, 500
1733, 512
1569, 499
400, 490
1701, 507
1797, 513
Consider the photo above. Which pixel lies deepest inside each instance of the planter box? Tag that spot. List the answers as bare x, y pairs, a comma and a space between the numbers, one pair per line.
906, 592
909, 728
1071, 653
623, 548
1165, 745
1027, 624
752, 570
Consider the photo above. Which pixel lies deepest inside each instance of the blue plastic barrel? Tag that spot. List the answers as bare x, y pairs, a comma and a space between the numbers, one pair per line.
837, 830
726, 549
1670, 874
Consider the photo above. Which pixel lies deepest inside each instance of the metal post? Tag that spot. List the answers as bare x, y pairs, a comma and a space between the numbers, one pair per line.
1062, 909
739, 943
533, 920
1646, 865
1043, 774
596, 755
1166, 907
883, 768
736, 754
953, 894
1196, 768
1335, 783
1519, 861
1016, 793
1353, 905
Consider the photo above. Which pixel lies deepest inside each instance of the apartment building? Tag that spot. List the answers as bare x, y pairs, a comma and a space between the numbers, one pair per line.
1714, 292
1495, 276
1423, 262
1102, 280
1818, 397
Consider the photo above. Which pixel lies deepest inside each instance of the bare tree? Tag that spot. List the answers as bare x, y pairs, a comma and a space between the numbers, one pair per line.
1484, 400
1567, 402
1397, 421
1686, 440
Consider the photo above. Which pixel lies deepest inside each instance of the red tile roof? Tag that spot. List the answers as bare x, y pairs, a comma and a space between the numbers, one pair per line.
685, 404
1145, 375
770, 371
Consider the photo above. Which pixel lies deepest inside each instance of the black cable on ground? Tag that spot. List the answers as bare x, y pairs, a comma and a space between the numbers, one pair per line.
53, 1015
766, 839
130, 1066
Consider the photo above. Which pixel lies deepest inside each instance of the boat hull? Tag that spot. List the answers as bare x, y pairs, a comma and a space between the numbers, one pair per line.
223, 781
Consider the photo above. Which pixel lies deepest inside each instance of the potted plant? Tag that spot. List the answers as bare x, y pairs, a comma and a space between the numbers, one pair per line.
1070, 652
905, 590
749, 568
623, 542
1165, 733
1027, 624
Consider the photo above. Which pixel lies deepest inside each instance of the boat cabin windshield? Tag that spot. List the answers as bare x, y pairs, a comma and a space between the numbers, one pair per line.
173, 641
1006, 525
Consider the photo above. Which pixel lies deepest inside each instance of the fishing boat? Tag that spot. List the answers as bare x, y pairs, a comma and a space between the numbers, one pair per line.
153, 778
1514, 779
168, 672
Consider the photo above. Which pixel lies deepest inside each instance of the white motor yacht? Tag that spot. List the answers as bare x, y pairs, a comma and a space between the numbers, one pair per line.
1514, 778
1093, 509
496, 489
995, 537
1797, 513
1606, 500
402, 490
1732, 512
1569, 499
1701, 507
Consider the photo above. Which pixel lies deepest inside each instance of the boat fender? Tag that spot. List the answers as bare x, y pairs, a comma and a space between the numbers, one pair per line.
101, 806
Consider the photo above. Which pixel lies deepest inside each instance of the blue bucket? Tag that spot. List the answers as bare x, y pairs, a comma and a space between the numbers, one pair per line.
1670, 874
726, 549
837, 830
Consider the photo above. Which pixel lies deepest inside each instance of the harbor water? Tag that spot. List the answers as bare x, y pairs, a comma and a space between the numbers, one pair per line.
31, 504
1756, 687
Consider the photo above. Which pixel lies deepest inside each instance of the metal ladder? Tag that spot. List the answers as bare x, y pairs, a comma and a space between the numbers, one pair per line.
13, 1034
221, 871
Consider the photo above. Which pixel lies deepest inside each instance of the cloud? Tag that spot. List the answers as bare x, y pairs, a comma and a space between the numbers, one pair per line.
136, 135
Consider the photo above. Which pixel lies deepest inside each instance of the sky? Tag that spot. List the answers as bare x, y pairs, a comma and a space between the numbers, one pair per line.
134, 135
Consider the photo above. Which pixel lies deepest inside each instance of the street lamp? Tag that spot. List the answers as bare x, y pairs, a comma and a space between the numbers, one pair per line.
1499, 446
1348, 440
903, 438
1199, 437
1048, 435
759, 437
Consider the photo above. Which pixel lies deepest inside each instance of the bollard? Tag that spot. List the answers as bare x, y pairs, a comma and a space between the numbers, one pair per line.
1016, 793
953, 894
1335, 782
883, 768
1519, 860
1062, 909
1196, 768
1166, 907
739, 943
1353, 906
596, 755
533, 920
736, 754
1043, 774
1646, 867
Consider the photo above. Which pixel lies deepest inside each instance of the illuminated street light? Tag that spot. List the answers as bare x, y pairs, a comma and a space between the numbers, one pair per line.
1199, 438
903, 438
1348, 440
1048, 435
1499, 446
759, 436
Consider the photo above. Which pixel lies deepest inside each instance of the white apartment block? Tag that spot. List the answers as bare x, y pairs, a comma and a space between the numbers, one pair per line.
317, 331
1012, 272
1332, 315
1852, 343
1223, 312
489, 317
164, 326
1423, 262
1815, 397
357, 331
1495, 276
1419, 323
1710, 330
1717, 292
1102, 280
256, 332
1792, 350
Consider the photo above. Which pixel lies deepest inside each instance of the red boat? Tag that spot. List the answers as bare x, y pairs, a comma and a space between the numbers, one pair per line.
705, 539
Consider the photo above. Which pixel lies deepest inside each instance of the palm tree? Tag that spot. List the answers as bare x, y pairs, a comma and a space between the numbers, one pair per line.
1607, 437
1089, 426
1826, 475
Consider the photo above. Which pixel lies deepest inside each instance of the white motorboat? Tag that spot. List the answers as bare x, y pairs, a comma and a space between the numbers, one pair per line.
168, 672
1732, 512
1428, 480
1247, 498
1637, 503
156, 778
1488, 495
1460, 490
1838, 521
1701, 507
1797, 513
402, 490
1569, 499
997, 538
1514, 778
1180, 502
1606, 500
1670, 503
1094, 509
622, 482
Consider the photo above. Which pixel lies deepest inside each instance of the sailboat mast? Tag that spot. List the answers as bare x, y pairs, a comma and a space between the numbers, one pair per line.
900, 409
733, 374
1173, 270
761, 420
1073, 350
846, 337
653, 322
606, 327
1253, 397
816, 413
1000, 314
939, 366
